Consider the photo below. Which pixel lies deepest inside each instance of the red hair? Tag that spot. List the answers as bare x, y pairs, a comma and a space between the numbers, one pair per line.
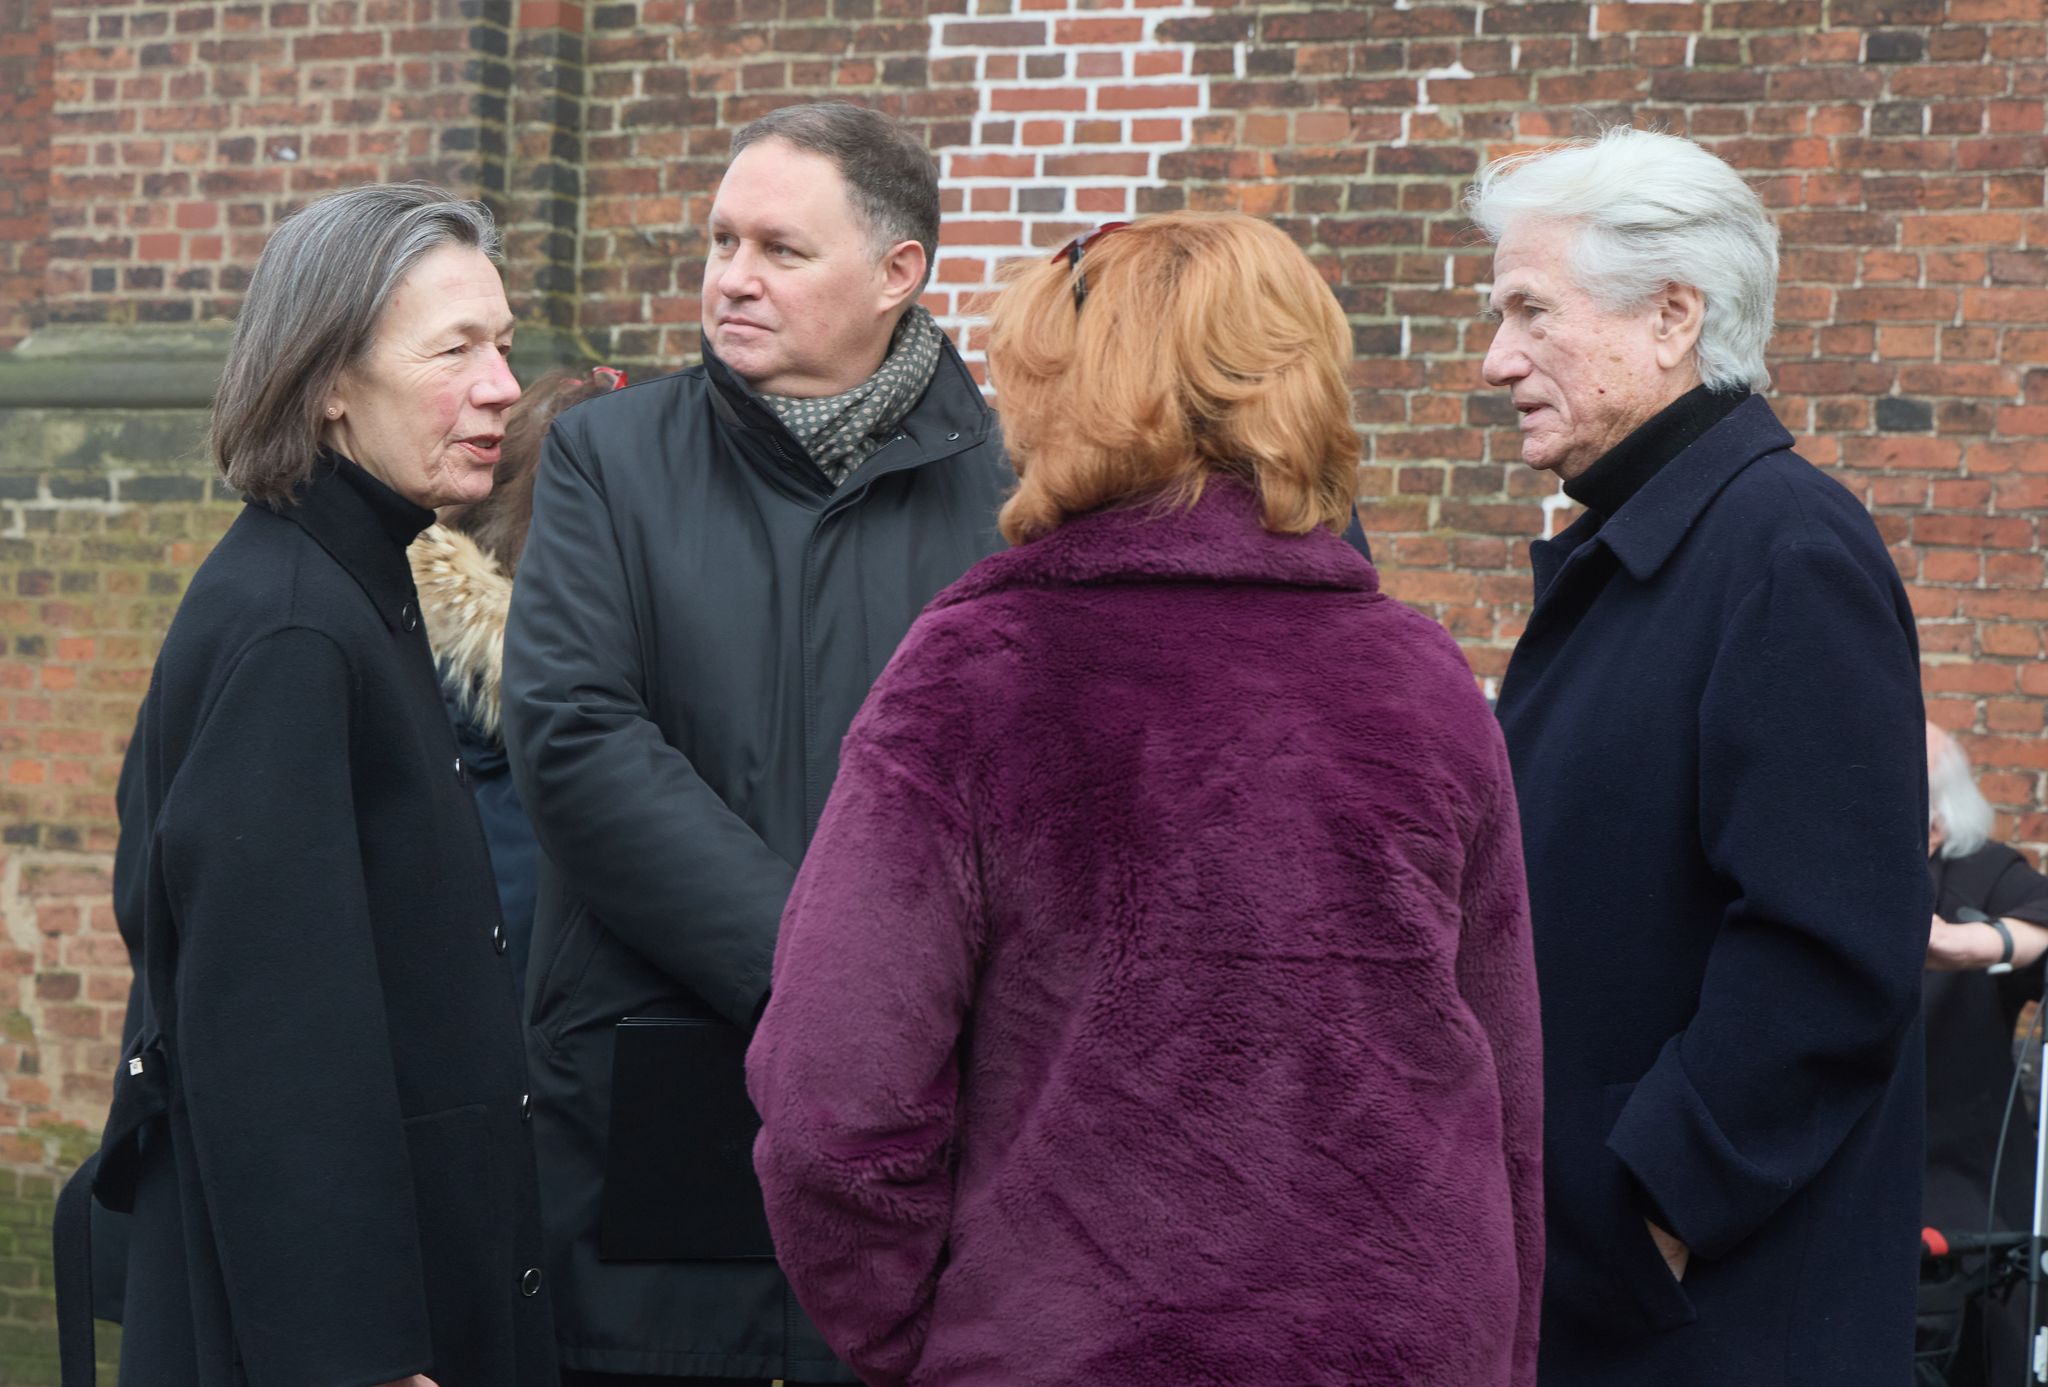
1207, 344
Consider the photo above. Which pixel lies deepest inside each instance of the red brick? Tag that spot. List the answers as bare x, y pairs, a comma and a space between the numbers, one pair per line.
1980, 229
2027, 306
1958, 379
1039, 99
992, 165
1975, 532
1902, 453
1097, 165
1098, 31
1882, 305
1161, 97
551, 14
331, 47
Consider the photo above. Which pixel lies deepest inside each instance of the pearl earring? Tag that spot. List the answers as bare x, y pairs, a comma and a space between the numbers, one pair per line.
333, 413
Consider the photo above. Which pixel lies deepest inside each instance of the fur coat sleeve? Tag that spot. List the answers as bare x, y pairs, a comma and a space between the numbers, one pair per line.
856, 1068
1497, 978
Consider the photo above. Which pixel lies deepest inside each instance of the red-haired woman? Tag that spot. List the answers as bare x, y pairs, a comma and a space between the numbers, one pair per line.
1155, 1002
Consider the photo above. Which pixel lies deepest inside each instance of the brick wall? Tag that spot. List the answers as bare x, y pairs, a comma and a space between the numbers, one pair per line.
181, 131
25, 88
146, 149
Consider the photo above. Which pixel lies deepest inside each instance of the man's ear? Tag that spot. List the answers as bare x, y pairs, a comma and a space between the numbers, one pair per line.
902, 275
1681, 312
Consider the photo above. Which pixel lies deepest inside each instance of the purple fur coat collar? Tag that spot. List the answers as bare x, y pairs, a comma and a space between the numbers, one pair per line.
1218, 540
1155, 1002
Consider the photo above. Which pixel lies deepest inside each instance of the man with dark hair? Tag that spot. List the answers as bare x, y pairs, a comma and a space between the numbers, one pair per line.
720, 564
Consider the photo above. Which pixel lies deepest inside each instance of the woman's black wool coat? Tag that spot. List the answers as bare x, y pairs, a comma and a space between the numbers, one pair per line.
336, 1186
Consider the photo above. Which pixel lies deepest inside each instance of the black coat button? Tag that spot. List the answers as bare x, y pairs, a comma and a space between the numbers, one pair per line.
458, 768
500, 942
410, 615
529, 1284
526, 1107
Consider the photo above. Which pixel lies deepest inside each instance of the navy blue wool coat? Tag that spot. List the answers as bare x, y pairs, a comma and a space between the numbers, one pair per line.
1714, 720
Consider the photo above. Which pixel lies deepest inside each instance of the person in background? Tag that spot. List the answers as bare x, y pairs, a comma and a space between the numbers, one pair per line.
1984, 963
317, 1121
463, 567
1155, 1003
721, 562
1714, 713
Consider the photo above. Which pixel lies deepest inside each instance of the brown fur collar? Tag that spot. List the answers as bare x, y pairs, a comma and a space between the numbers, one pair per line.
465, 596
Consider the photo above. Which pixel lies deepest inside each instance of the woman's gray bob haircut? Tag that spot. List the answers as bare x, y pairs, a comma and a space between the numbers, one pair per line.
1955, 802
1652, 210
311, 312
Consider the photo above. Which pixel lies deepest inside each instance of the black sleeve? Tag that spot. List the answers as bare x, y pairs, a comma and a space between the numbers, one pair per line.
131, 862
1813, 803
2020, 893
662, 860
281, 1045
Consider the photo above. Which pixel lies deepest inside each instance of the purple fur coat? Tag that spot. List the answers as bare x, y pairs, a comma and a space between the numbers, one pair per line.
1155, 1002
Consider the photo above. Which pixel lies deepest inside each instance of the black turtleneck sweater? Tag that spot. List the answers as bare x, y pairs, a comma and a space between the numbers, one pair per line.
1608, 484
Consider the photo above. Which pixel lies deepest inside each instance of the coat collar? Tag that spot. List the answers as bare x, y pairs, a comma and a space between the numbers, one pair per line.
1219, 539
364, 526
950, 418
1646, 531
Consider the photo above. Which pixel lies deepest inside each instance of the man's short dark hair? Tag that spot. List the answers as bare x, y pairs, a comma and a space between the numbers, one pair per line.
889, 173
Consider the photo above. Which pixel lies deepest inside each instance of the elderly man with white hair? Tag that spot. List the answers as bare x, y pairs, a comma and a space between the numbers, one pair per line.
1714, 719
1984, 949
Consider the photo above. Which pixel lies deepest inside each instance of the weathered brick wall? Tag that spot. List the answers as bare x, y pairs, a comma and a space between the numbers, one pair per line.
1901, 143
102, 516
25, 69
181, 132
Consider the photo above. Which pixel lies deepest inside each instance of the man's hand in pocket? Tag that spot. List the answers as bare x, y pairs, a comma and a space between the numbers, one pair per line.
1674, 1252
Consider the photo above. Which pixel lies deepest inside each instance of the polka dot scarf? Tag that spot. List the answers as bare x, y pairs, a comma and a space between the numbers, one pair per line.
841, 431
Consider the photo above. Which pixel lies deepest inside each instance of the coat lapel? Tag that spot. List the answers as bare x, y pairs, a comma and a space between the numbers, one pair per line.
1644, 534
367, 540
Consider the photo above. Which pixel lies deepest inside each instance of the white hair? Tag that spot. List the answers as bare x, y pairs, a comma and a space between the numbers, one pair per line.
1954, 801
1652, 210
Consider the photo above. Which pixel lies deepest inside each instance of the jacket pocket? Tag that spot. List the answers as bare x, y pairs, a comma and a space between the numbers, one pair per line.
1603, 1271
553, 988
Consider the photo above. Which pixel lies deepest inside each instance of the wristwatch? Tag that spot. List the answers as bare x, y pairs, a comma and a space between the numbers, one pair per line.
2004, 964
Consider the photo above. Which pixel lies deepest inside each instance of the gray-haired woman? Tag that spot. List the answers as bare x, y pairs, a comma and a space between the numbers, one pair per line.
319, 1126
1985, 946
